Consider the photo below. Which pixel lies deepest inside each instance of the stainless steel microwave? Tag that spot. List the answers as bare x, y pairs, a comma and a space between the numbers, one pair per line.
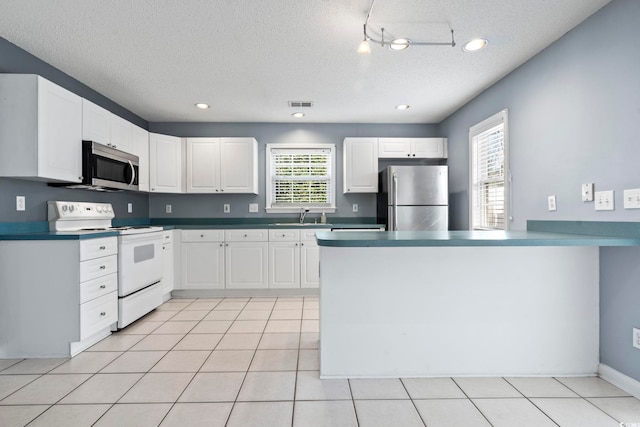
105, 168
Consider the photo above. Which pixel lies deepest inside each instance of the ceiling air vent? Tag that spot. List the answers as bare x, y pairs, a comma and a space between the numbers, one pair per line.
298, 104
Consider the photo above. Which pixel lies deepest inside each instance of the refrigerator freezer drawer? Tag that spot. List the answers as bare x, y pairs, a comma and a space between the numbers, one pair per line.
416, 218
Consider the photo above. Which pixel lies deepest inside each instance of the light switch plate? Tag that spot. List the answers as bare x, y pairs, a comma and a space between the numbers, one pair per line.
604, 200
552, 203
632, 198
253, 207
587, 192
167, 208
129, 207
226, 208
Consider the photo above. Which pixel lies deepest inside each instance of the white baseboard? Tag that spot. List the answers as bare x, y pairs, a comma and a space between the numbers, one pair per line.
619, 380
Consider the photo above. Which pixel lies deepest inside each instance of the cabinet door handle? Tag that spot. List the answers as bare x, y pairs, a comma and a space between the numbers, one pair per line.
226, 244
301, 244
102, 267
221, 245
202, 235
102, 313
102, 248
245, 235
103, 286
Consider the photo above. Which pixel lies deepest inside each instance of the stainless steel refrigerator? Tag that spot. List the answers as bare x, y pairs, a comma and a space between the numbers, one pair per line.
414, 198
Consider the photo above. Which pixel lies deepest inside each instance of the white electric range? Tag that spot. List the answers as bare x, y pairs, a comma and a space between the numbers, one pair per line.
139, 254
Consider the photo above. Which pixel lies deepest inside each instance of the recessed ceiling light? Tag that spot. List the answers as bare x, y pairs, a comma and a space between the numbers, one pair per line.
399, 44
402, 107
202, 105
298, 115
474, 45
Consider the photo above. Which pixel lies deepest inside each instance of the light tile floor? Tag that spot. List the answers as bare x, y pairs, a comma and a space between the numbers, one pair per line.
254, 362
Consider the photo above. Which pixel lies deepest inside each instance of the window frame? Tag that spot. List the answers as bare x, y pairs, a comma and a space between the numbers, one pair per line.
500, 118
300, 146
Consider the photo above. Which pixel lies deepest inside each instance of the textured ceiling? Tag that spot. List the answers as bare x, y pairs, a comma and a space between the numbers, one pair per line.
248, 58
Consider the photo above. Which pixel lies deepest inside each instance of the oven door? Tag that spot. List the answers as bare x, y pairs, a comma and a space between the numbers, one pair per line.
139, 261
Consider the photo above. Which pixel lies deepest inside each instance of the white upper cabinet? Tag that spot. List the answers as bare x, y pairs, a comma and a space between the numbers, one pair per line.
40, 130
216, 165
423, 148
165, 163
360, 165
100, 125
239, 165
203, 165
140, 147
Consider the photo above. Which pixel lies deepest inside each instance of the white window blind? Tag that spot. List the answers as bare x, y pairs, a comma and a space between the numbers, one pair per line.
489, 174
300, 177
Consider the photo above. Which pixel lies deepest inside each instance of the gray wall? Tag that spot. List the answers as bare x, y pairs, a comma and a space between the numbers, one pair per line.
574, 117
210, 206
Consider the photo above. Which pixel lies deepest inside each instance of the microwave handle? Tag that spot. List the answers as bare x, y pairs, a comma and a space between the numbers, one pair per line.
133, 173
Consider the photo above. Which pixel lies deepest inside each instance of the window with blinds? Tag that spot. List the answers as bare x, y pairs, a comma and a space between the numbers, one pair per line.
300, 177
489, 183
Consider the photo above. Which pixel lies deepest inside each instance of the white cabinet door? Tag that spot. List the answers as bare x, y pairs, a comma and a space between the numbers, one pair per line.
203, 165
246, 265
310, 264
360, 165
429, 148
141, 149
239, 165
202, 265
284, 265
394, 147
40, 130
165, 163
95, 123
121, 132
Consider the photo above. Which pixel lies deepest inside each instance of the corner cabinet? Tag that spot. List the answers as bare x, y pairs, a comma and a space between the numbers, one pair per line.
360, 165
40, 130
222, 165
140, 140
418, 148
165, 164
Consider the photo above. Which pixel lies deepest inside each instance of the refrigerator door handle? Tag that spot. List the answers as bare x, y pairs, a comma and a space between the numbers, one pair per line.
394, 202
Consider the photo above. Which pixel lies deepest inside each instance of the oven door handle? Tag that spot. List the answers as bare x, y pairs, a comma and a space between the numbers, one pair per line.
133, 173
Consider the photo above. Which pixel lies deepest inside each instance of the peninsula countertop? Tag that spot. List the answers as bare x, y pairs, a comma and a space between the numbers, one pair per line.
468, 238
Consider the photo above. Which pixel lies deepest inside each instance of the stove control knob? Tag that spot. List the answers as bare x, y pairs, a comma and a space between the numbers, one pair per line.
64, 208
71, 208
99, 209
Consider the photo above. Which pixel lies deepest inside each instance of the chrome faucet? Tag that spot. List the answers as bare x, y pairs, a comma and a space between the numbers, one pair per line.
303, 213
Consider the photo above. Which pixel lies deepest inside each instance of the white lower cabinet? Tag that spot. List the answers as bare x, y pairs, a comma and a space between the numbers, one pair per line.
249, 259
202, 259
309, 260
284, 259
58, 296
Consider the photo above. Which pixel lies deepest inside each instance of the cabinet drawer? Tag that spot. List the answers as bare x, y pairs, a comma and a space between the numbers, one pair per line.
246, 235
98, 314
98, 267
202, 235
310, 235
96, 248
95, 288
284, 235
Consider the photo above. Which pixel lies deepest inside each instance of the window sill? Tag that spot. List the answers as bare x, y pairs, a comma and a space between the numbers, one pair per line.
327, 210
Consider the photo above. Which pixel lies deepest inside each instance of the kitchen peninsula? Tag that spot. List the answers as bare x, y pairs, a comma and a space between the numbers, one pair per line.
460, 303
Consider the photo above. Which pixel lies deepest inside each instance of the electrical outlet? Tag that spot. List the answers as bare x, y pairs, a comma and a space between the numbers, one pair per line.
587, 192
20, 203
604, 200
253, 207
632, 198
167, 208
552, 203
636, 337
226, 208
354, 207
129, 207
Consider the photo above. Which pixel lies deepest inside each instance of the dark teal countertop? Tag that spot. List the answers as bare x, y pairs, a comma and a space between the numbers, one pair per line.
468, 238
58, 235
